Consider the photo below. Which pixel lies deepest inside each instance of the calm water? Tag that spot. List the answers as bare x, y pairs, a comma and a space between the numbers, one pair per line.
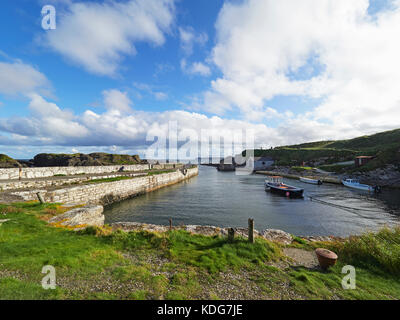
227, 200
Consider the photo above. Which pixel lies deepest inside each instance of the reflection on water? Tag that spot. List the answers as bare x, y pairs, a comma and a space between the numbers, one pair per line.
227, 200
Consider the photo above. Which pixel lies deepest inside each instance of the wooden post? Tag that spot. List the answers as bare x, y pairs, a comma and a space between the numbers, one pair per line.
231, 235
40, 197
170, 224
251, 230
20, 173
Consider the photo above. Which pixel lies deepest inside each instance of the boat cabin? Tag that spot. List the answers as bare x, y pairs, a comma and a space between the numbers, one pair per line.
275, 179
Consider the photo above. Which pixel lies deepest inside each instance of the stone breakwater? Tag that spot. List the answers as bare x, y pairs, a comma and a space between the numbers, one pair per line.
109, 192
92, 215
44, 172
268, 234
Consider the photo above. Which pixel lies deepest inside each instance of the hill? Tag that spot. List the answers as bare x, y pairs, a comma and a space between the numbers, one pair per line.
385, 146
70, 160
7, 162
80, 159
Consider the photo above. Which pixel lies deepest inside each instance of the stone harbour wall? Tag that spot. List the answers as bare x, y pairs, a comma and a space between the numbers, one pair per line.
109, 192
62, 181
44, 172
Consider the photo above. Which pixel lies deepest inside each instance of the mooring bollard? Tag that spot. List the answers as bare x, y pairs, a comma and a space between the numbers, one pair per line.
40, 197
251, 230
231, 235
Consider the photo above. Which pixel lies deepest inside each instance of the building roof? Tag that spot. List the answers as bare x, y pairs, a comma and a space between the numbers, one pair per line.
364, 157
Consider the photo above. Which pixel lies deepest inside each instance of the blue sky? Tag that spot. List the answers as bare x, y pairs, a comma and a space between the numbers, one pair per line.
105, 83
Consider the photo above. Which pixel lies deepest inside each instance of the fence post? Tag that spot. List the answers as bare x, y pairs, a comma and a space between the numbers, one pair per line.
231, 235
251, 230
40, 197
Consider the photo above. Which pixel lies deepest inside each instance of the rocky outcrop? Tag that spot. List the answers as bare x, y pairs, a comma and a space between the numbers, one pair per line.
83, 160
269, 234
388, 176
80, 218
7, 162
278, 236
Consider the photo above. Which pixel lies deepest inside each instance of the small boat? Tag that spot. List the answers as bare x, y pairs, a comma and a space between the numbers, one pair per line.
311, 181
355, 184
275, 185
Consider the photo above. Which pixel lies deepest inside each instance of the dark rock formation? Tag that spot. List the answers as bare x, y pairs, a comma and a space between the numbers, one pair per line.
7, 162
81, 160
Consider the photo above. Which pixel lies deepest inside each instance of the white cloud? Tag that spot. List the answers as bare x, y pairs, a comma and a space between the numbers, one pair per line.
20, 78
196, 68
152, 90
355, 69
189, 39
98, 35
115, 100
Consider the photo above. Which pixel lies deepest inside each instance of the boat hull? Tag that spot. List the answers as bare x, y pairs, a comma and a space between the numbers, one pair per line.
362, 187
311, 181
290, 193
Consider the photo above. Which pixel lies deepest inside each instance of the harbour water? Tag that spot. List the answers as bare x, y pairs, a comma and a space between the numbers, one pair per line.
225, 199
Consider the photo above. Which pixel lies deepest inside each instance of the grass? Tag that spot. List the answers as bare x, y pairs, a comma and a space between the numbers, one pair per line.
157, 172
109, 179
98, 263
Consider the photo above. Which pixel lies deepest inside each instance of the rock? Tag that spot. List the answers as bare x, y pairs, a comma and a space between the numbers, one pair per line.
277, 235
7, 162
81, 160
85, 216
136, 226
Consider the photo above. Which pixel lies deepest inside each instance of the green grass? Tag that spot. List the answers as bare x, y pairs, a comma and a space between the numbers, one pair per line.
100, 264
336, 168
157, 172
109, 179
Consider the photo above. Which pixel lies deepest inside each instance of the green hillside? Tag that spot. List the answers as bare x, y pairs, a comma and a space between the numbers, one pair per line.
385, 146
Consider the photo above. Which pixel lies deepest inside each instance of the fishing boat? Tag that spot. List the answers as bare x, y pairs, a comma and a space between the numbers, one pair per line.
355, 184
275, 185
311, 181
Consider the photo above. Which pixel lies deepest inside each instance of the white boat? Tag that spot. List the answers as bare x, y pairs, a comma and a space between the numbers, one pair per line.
355, 184
311, 181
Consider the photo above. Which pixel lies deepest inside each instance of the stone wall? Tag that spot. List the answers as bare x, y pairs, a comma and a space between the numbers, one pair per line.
34, 173
61, 181
109, 192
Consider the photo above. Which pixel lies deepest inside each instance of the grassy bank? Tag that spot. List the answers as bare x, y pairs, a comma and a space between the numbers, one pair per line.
100, 264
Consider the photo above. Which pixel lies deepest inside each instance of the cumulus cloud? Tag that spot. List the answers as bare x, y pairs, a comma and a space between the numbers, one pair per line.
196, 68
21, 78
189, 38
116, 100
98, 35
265, 47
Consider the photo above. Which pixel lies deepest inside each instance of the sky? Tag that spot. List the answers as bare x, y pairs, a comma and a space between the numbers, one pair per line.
115, 76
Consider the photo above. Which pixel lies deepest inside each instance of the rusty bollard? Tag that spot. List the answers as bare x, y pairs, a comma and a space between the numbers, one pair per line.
231, 235
251, 230
326, 258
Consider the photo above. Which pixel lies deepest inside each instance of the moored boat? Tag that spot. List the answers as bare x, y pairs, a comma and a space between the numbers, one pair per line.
275, 185
355, 184
310, 180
